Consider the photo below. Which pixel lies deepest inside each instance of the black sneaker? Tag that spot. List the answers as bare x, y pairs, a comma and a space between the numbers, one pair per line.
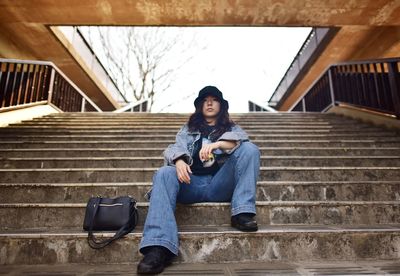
155, 260
244, 222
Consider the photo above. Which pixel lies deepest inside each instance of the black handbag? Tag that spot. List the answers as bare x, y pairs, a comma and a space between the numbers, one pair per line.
109, 214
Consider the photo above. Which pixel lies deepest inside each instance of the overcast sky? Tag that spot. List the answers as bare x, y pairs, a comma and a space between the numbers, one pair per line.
245, 63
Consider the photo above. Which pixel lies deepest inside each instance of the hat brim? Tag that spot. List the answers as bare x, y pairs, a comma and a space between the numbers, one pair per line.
198, 100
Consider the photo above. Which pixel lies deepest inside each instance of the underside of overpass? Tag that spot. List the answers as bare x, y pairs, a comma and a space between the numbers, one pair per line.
369, 29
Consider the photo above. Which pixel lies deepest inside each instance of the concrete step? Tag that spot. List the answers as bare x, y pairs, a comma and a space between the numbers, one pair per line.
253, 134
158, 161
174, 123
71, 215
163, 141
184, 118
266, 191
329, 188
211, 245
44, 152
152, 116
265, 267
178, 124
181, 121
175, 127
257, 138
186, 115
139, 134
155, 142
343, 144
145, 174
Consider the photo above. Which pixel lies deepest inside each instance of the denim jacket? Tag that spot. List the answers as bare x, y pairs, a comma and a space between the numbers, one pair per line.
185, 143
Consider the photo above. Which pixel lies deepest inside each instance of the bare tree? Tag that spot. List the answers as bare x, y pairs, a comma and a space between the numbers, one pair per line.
144, 61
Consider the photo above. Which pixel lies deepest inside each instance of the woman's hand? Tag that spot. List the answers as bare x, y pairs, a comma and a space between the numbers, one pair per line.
183, 171
206, 150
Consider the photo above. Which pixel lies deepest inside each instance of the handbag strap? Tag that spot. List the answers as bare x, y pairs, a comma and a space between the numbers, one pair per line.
98, 244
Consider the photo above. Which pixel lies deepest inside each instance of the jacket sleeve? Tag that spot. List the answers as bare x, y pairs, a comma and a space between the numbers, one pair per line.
236, 134
178, 149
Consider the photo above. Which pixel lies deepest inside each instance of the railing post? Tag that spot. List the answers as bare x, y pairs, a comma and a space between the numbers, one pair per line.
303, 104
83, 104
332, 92
51, 86
394, 87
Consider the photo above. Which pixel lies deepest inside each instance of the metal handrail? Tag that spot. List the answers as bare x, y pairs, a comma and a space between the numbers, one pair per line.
312, 46
372, 84
142, 104
40, 84
256, 107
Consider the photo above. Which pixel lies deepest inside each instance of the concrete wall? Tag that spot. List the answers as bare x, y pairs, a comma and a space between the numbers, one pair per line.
28, 113
366, 116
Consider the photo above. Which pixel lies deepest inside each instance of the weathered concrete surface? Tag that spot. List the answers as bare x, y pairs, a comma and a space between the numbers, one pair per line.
309, 207
363, 115
211, 246
285, 268
281, 150
156, 162
325, 190
59, 216
65, 175
266, 191
275, 131
28, 113
272, 144
180, 12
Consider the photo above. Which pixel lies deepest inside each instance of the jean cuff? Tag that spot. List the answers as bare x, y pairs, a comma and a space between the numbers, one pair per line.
159, 242
243, 209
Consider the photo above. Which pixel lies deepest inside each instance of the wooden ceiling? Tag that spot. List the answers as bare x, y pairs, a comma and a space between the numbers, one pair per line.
25, 32
203, 12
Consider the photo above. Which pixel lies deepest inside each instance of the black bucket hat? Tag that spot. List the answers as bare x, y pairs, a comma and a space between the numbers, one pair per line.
210, 91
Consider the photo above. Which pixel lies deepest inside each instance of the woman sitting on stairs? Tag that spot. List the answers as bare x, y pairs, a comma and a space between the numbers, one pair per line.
212, 160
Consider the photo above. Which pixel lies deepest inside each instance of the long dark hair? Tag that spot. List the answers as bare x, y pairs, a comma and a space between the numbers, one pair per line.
223, 124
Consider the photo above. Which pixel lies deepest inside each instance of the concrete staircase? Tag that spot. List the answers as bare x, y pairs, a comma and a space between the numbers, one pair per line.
329, 189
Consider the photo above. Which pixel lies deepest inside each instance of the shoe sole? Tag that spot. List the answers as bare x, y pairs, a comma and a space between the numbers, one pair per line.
245, 229
158, 271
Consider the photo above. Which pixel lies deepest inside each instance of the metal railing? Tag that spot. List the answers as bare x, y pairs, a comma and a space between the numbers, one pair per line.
25, 83
140, 106
373, 85
255, 107
309, 51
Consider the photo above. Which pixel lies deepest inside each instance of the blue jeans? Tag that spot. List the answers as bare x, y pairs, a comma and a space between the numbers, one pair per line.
235, 182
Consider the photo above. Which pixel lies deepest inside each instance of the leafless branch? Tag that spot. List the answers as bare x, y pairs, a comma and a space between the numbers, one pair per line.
142, 61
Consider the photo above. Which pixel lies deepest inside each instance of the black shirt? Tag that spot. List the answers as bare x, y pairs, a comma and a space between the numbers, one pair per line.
209, 167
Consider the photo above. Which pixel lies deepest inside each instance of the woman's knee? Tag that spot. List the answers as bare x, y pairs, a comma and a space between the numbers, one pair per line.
249, 148
165, 172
